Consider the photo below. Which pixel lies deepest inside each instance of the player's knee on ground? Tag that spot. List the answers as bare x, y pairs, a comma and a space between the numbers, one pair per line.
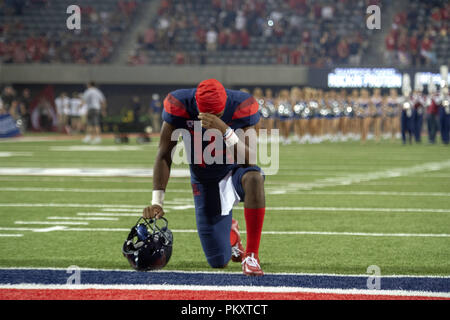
218, 261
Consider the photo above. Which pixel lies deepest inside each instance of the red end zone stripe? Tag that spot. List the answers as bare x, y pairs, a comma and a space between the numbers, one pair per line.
108, 294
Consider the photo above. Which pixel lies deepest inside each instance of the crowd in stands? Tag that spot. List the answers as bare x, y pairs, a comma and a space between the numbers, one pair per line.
296, 32
34, 31
419, 35
17, 104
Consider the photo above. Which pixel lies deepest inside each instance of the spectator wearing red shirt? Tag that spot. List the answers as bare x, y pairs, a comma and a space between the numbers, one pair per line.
414, 48
389, 54
403, 49
224, 36
426, 50
200, 36
149, 38
245, 40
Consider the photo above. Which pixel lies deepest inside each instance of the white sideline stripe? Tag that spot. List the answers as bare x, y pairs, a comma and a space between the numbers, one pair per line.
355, 209
11, 235
166, 287
96, 148
15, 154
368, 193
138, 208
51, 222
324, 233
108, 214
89, 172
81, 218
272, 191
213, 272
91, 190
370, 176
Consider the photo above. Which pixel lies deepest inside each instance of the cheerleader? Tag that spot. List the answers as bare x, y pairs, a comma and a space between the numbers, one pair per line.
355, 118
363, 114
268, 119
285, 115
394, 111
259, 97
297, 100
377, 113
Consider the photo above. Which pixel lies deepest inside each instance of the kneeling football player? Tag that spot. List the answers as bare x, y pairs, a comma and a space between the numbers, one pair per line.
216, 186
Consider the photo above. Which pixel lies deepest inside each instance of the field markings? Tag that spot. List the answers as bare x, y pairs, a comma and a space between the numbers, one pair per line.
369, 176
319, 233
138, 208
270, 191
89, 172
109, 214
84, 218
18, 235
166, 287
52, 222
8, 154
84, 148
224, 272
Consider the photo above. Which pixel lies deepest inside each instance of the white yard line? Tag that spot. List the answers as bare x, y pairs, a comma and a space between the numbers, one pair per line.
81, 218
89, 172
358, 193
51, 223
138, 208
11, 235
165, 287
109, 214
370, 176
320, 233
270, 190
213, 272
84, 190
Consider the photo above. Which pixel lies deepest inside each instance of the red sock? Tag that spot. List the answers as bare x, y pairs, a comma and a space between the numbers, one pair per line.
254, 219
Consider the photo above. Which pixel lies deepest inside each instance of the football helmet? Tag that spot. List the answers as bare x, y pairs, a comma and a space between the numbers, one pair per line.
148, 245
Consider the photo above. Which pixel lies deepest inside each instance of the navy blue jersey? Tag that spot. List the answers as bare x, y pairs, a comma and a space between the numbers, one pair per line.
181, 111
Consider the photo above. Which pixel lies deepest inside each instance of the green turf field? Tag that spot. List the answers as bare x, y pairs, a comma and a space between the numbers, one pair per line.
332, 208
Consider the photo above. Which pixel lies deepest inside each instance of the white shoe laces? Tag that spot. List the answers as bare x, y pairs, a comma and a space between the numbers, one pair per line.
251, 261
235, 251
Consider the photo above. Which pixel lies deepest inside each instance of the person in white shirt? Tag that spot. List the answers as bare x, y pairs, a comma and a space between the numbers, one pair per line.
62, 110
96, 106
75, 106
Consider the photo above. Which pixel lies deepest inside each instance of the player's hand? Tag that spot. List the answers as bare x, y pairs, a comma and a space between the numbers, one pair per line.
153, 212
211, 121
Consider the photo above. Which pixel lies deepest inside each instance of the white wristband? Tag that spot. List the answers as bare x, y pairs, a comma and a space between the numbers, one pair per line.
231, 139
158, 197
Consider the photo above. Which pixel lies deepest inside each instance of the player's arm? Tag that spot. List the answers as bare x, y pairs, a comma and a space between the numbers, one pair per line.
161, 172
243, 152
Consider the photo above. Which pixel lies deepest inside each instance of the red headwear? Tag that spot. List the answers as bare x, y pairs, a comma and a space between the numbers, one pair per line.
211, 96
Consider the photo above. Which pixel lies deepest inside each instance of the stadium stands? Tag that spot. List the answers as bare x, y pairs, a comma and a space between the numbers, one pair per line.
296, 32
420, 34
35, 31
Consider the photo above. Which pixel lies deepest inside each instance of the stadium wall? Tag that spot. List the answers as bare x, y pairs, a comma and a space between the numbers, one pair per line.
153, 75
120, 83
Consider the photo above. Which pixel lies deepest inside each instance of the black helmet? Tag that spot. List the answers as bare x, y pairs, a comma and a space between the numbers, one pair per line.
148, 246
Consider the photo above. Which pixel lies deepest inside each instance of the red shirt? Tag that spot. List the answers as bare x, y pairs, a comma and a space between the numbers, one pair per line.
427, 44
390, 42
